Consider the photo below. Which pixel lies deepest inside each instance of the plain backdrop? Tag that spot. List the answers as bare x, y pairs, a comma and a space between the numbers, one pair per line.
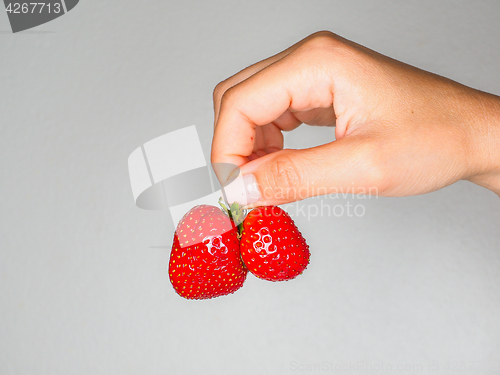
412, 286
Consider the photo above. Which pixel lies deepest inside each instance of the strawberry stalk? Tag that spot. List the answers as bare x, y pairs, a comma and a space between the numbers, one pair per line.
235, 212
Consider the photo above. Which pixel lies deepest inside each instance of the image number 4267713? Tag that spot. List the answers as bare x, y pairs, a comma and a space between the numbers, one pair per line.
25, 15
33, 8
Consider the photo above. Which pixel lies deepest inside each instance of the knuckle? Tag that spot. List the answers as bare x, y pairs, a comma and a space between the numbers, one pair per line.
219, 90
283, 177
229, 95
322, 39
331, 46
322, 45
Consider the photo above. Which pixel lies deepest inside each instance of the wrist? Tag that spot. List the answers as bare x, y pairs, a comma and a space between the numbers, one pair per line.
484, 121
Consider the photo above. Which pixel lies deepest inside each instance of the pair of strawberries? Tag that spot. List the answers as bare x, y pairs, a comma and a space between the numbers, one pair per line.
211, 255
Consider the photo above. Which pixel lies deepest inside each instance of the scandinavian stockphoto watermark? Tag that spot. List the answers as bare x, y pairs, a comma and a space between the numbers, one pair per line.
331, 202
328, 206
171, 173
25, 15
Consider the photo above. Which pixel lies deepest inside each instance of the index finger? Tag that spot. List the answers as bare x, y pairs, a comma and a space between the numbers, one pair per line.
297, 82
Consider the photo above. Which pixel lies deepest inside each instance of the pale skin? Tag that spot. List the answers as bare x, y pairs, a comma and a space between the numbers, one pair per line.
399, 130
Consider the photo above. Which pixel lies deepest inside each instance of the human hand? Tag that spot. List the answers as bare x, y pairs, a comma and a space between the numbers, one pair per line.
399, 130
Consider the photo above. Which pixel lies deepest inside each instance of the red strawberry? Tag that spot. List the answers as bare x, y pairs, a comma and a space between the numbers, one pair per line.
271, 246
205, 259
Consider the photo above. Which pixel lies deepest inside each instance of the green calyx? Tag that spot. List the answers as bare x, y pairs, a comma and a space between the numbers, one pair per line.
235, 212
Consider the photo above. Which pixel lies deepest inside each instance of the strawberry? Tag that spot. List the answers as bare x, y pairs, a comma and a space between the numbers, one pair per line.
205, 260
271, 246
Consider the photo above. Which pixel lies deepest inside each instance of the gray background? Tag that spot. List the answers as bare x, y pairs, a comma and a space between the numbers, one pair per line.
83, 272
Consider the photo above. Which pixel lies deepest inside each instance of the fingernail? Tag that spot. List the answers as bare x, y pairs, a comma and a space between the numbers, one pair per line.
243, 189
251, 188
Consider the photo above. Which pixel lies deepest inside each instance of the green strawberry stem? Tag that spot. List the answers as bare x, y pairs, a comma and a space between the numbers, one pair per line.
235, 213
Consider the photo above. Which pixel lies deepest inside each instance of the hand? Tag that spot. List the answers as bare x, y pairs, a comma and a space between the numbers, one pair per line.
399, 130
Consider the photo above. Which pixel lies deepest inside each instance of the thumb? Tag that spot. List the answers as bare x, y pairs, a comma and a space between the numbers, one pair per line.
347, 165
